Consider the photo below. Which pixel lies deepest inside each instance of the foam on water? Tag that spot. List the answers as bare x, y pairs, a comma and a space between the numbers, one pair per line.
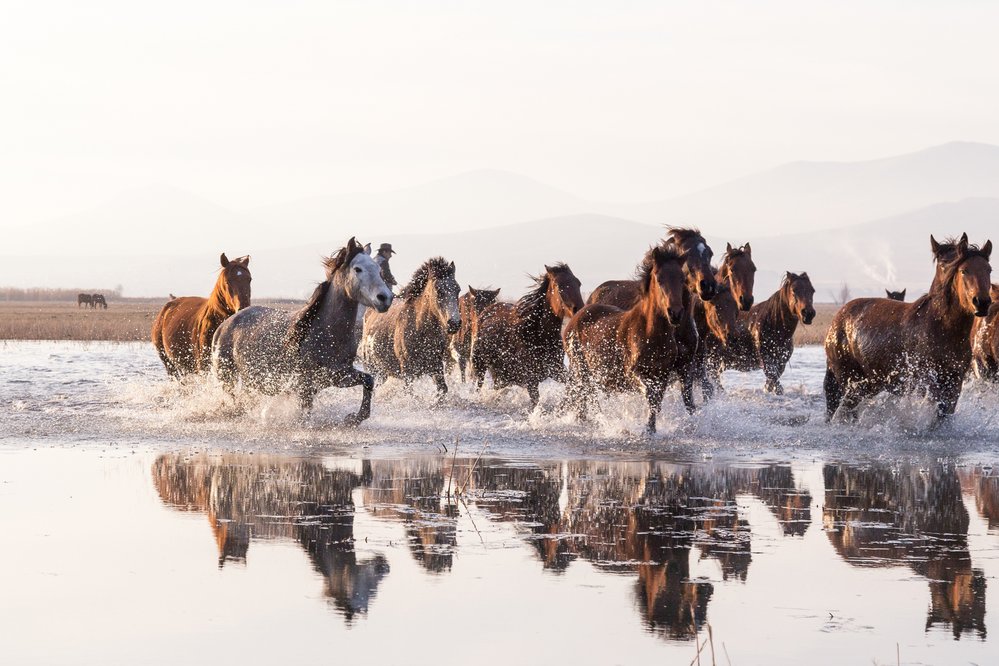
118, 392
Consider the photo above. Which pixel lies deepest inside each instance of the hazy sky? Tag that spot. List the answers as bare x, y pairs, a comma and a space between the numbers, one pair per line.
249, 102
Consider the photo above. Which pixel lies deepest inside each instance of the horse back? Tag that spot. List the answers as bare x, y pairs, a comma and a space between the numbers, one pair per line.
619, 293
868, 336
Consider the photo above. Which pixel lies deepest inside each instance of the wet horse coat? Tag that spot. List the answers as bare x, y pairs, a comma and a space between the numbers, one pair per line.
470, 305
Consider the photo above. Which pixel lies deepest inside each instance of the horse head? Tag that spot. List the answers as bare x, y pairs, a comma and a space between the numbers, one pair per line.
895, 295
739, 271
700, 276
663, 278
799, 295
234, 282
359, 276
482, 298
969, 272
434, 281
563, 293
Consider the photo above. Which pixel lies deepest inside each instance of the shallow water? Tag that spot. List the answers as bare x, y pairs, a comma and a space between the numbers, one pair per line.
148, 522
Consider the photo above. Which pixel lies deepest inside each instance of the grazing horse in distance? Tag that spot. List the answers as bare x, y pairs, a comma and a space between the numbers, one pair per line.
764, 337
876, 344
896, 295
183, 329
470, 305
307, 351
521, 343
738, 271
701, 282
633, 349
84, 299
100, 301
985, 340
411, 339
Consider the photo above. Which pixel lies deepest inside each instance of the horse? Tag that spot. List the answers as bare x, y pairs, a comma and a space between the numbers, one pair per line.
764, 337
183, 329
470, 306
876, 344
382, 259
718, 319
521, 343
411, 339
307, 351
84, 299
738, 271
896, 295
985, 340
633, 349
701, 282
100, 301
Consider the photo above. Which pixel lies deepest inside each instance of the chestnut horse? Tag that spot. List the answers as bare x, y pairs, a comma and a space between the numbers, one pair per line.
718, 320
633, 349
764, 337
521, 343
701, 282
985, 340
183, 330
310, 350
876, 344
470, 305
738, 271
411, 339
896, 295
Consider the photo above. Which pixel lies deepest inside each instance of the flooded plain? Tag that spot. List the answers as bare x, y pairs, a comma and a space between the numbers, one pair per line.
152, 523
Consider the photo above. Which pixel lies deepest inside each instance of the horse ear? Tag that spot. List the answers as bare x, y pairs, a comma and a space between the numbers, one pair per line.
964, 238
471, 291
962, 246
789, 275
903, 294
224, 260
747, 249
244, 260
934, 246
987, 249
548, 269
353, 245
367, 249
450, 268
887, 293
728, 247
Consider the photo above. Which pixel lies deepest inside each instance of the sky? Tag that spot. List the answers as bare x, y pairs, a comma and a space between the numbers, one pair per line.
249, 103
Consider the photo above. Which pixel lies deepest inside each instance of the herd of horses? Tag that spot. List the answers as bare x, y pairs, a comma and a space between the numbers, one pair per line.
93, 301
681, 320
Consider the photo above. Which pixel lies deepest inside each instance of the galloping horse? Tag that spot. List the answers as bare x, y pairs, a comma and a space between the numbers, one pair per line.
411, 339
764, 337
876, 344
701, 282
738, 271
99, 301
896, 295
985, 340
84, 299
633, 349
470, 305
521, 344
310, 350
182, 332
718, 322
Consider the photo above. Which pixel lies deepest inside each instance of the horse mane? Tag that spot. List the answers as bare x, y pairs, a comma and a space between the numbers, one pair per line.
303, 319
772, 306
535, 299
341, 258
680, 235
656, 255
436, 268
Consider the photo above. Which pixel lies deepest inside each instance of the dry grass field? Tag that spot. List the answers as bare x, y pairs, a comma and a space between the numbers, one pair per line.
123, 320
131, 320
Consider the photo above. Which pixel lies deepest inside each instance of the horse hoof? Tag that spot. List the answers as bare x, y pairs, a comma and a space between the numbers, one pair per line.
353, 420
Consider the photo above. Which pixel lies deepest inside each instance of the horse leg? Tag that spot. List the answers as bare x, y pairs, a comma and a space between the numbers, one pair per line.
441, 388
535, 395
353, 377
654, 392
773, 371
834, 394
946, 394
687, 388
462, 364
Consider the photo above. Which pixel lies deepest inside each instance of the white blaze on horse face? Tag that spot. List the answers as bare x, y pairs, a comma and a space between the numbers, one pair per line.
701, 249
365, 284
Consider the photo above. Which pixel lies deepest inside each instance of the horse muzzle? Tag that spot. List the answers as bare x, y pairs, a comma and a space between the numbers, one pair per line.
453, 325
674, 316
707, 289
807, 315
745, 303
981, 305
383, 301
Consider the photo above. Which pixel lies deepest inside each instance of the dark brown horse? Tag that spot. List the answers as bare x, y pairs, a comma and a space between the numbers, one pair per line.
764, 337
411, 339
896, 295
718, 320
738, 271
633, 349
985, 340
470, 305
84, 299
100, 301
521, 344
183, 330
701, 282
876, 344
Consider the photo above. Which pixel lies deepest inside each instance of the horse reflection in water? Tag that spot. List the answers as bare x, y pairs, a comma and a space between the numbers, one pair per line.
884, 516
252, 497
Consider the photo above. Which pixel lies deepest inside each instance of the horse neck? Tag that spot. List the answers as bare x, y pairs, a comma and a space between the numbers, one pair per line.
541, 323
217, 306
650, 312
423, 310
944, 306
777, 310
337, 315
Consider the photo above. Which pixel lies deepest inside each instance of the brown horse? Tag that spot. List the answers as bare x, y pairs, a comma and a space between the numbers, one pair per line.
764, 337
701, 282
411, 339
84, 299
470, 305
100, 301
521, 344
633, 349
896, 295
876, 344
183, 330
718, 320
738, 271
985, 340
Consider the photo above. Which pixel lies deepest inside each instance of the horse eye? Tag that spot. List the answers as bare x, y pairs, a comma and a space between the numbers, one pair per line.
357, 269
